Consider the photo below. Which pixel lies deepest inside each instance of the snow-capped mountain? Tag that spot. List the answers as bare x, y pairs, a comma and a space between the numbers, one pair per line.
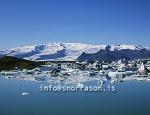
61, 51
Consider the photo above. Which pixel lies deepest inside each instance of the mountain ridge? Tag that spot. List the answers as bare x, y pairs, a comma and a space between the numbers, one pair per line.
63, 51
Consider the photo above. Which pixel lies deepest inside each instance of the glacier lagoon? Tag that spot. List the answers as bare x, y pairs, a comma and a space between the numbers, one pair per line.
130, 97
127, 90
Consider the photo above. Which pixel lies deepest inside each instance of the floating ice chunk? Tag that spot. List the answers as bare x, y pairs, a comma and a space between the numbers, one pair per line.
80, 85
25, 93
112, 74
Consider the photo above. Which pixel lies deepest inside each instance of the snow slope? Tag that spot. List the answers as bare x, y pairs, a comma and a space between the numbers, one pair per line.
60, 51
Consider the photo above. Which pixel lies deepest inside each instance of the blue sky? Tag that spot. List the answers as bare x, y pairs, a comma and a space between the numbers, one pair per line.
27, 22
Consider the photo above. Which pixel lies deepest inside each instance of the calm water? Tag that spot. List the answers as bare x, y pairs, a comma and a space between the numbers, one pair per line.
130, 98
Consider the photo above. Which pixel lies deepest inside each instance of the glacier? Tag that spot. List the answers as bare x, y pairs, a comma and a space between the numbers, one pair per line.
61, 51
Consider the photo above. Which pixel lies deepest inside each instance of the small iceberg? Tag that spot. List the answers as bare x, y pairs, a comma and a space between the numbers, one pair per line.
80, 85
25, 93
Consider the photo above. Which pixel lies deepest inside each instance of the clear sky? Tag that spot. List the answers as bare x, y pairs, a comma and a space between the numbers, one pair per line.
27, 22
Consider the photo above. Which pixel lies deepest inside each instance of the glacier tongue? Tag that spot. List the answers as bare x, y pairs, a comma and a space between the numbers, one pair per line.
60, 51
